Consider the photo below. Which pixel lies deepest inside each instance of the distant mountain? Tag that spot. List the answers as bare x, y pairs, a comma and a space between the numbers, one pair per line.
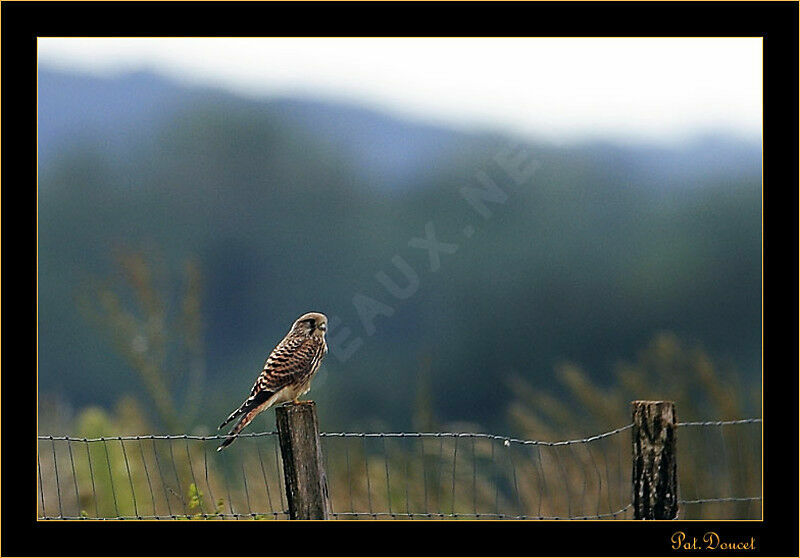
291, 205
113, 114
110, 114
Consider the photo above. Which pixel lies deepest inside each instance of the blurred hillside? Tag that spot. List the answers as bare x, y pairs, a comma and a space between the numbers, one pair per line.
286, 206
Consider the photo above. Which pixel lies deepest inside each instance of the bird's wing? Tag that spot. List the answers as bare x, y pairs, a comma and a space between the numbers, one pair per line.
293, 360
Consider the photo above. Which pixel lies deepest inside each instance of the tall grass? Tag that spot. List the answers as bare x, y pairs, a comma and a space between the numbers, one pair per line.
437, 476
713, 462
379, 477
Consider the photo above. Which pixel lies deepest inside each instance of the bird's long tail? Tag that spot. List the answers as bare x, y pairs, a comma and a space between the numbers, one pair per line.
246, 419
233, 415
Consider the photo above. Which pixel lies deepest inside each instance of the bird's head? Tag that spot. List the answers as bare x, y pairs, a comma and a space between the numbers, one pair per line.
313, 323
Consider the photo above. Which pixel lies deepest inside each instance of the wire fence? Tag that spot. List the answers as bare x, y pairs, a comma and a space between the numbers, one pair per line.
399, 475
720, 469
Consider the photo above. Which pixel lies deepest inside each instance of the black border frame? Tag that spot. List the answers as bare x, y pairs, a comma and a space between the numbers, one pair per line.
22, 22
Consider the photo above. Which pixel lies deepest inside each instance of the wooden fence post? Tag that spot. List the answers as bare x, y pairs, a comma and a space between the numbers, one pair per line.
655, 472
303, 470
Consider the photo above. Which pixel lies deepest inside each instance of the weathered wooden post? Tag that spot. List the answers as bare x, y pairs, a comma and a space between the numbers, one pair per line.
303, 470
655, 472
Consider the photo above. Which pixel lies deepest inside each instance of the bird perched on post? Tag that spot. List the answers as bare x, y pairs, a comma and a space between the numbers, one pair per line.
287, 372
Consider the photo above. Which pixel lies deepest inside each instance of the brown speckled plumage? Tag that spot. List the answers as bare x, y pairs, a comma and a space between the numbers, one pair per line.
287, 372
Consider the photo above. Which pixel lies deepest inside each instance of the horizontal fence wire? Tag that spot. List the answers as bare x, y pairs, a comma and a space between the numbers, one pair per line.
721, 422
471, 435
383, 475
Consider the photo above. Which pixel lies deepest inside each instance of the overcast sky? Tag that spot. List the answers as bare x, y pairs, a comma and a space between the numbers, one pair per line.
560, 89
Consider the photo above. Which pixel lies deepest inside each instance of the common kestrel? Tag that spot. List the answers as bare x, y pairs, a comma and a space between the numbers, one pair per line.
287, 372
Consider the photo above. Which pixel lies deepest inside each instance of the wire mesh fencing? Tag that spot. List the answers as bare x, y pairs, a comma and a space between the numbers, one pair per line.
403, 475
720, 469
445, 475
160, 477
